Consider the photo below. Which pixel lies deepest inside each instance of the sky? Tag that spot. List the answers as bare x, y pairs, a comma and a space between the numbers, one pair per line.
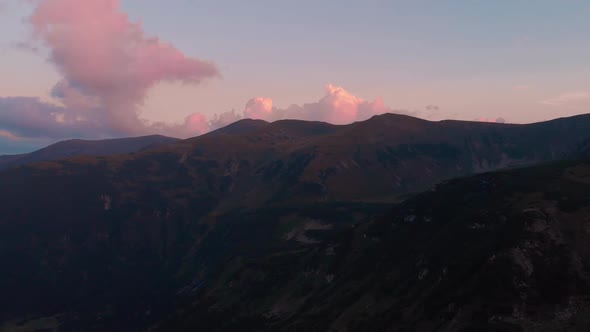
112, 68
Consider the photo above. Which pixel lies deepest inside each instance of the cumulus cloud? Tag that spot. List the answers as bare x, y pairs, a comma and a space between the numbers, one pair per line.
259, 109
338, 106
108, 65
81, 115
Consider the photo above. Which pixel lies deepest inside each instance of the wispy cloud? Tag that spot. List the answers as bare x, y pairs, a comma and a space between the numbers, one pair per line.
9, 135
573, 98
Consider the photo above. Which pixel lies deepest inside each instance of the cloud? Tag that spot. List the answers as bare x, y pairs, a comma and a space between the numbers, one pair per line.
108, 65
224, 119
81, 115
26, 47
491, 120
259, 108
29, 117
9, 135
572, 98
338, 106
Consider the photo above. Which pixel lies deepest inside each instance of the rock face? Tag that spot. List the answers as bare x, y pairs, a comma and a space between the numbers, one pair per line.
248, 226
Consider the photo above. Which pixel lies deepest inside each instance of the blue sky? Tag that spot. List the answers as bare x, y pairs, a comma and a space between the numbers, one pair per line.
524, 61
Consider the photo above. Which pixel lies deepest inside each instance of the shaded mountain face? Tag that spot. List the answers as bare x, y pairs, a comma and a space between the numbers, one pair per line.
116, 243
505, 251
71, 148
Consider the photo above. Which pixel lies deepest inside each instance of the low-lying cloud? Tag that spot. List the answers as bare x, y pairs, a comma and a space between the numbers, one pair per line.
82, 117
338, 106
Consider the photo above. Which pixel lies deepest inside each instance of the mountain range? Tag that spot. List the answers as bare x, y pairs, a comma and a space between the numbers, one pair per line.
78, 147
294, 225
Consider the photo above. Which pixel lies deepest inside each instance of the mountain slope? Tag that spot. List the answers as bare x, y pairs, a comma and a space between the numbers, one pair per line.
389, 154
108, 243
77, 147
505, 251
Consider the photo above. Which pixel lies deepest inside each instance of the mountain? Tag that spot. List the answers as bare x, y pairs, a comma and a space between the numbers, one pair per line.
240, 127
118, 243
507, 251
384, 156
78, 147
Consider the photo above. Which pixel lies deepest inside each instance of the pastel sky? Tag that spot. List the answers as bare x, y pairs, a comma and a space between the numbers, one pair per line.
111, 68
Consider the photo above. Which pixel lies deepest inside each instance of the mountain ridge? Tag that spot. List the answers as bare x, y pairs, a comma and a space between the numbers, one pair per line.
76, 147
99, 241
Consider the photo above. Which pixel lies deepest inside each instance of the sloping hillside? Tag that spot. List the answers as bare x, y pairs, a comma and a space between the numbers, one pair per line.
506, 251
108, 243
71, 148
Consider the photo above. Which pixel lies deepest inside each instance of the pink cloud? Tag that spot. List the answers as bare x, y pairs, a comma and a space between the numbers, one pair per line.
195, 123
109, 63
338, 106
259, 108
34, 118
9, 135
